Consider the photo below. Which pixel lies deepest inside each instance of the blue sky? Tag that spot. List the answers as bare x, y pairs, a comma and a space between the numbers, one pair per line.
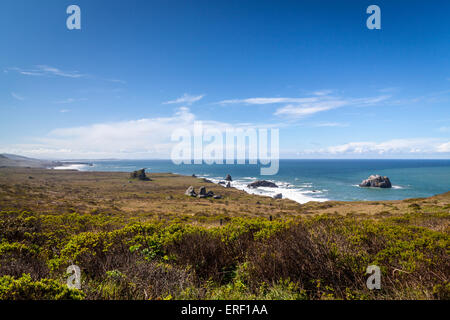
137, 70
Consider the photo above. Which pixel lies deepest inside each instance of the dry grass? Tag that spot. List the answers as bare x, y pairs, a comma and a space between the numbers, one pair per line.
113, 193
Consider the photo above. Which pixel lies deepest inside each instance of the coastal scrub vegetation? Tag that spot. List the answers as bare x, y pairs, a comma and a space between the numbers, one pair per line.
322, 257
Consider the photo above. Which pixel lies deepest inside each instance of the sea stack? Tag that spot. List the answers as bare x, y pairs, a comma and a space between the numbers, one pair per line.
228, 178
376, 181
262, 183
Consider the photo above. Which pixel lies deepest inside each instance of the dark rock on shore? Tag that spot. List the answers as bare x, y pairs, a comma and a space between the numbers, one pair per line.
228, 178
376, 181
202, 193
278, 196
139, 174
262, 183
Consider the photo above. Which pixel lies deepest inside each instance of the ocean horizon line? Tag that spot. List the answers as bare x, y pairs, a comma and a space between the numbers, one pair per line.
284, 159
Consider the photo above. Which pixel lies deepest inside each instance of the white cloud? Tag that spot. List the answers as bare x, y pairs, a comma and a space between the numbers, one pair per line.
417, 146
17, 97
69, 100
325, 103
268, 100
444, 129
44, 70
444, 147
144, 138
116, 81
186, 99
330, 124
305, 109
301, 107
322, 92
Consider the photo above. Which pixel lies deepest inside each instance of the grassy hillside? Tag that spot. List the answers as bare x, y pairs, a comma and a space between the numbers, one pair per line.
147, 240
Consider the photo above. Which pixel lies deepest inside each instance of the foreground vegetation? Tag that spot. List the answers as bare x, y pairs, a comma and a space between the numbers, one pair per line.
304, 254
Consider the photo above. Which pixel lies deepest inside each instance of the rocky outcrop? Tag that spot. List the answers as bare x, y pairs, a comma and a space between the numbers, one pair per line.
190, 192
228, 178
278, 196
202, 193
262, 183
139, 174
376, 181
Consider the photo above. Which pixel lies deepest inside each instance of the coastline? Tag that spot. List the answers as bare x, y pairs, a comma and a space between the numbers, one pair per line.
301, 189
284, 188
92, 216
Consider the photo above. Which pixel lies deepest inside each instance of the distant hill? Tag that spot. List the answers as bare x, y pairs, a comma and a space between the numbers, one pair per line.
13, 160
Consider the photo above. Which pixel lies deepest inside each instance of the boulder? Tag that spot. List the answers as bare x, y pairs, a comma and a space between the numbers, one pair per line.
194, 176
202, 191
228, 178
190, 192
262, 183
203, 194
139, 174
278, 196
228, 185
222, 182
376, 181
217, 196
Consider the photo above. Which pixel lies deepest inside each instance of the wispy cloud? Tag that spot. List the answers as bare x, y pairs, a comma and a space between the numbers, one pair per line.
44, 70
324, 103
330, 124
305, 109
322, 92
433, 97
186, 99
116, 81
64, 110
301, 107
70, 100
17, 97
389, 89
259, 101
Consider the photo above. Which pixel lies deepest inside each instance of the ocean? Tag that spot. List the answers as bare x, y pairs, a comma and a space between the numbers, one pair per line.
311, 180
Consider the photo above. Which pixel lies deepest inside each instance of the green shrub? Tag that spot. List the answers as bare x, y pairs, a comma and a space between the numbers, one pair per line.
24, 288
